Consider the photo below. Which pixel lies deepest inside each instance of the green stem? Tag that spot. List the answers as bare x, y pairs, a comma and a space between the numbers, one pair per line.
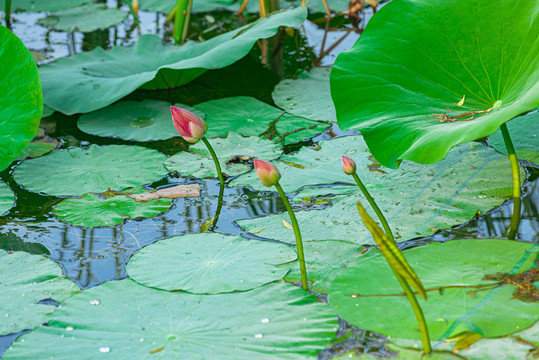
7, 9
221, 178
515, 217
423, 329
299, 243
377, 210
181, 20
219, 206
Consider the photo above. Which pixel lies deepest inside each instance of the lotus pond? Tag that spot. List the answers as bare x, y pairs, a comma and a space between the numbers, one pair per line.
117, 240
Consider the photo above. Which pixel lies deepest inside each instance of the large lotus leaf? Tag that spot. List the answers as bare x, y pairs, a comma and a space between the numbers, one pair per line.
389, 86
85, 18
40, 5
73, 172
295, 129
242, 114
124, 320
92, 80
324, 260
25, 280
459, 299
416, 199
231, 152
525, 137
147, 120
7, 198
37, 148
307, 96
209, 263
92, 210
21, 101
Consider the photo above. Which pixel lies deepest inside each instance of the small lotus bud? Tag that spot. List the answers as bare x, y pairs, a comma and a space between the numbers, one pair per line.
188, 125
348, 165
268, 174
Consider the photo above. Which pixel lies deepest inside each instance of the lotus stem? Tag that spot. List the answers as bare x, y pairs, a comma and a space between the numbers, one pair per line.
375, 207
7, 9
420, 317
221, 178
181, 20
515, 170
299, 243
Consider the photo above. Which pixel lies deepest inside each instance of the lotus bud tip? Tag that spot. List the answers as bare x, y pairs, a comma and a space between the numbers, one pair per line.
268, 173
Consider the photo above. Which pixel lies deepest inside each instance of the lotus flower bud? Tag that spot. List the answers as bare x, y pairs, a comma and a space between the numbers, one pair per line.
268, 174
188, 125
348, 165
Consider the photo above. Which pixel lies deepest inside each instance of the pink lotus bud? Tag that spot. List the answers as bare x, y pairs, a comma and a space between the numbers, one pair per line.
348, 165
267, 172
188, 125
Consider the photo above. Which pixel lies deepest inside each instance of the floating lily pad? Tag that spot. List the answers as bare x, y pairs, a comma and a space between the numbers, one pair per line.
242, 114
21, 101
232, 153
307, 96
91, 80
295, 129
459, 299
73, 172
7, 198
147, 120
84, 18
125, 320
209, 263
47, 111
416, 199
92, 210
37, 148
40, 5
391, 87
417, 354
25, 280
10, 242
324, 260
525, 136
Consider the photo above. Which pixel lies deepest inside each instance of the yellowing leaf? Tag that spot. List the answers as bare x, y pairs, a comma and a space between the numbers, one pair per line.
287, 225
461, 102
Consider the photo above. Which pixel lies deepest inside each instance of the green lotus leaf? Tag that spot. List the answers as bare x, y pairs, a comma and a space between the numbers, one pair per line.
416, 199
7, 198
459, 298
242, 114
37, 148
25, 280
324, 260
21, 101
209, 263
523, 128
147, 120
295, 129
84, 18
91, 80
40, 5
231, 152
10, 242
417, 354
307, 96
92, 210
125, 320
47, 111
76, 171
396, 89
531, 334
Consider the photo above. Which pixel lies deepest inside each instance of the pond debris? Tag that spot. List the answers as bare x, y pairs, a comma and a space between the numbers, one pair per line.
461, 102
525, 290
445, 118
174, 192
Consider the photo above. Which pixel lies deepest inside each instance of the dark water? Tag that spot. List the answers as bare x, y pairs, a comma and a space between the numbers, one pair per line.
91, 256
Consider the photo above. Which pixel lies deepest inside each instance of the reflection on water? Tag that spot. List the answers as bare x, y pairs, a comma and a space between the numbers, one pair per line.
92, 256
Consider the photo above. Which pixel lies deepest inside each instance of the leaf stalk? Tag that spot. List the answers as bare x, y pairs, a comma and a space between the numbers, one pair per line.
515, 170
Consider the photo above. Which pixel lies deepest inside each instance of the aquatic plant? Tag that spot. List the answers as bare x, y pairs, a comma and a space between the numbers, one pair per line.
269, 175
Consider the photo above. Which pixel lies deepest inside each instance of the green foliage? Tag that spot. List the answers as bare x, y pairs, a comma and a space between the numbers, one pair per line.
458, 298
24, 281
389, 86
92, 80
73, 172
524, 128
40, 5
21, 101
92, 210
85, 18
124, 320
7, 199
232, 153
209, 263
